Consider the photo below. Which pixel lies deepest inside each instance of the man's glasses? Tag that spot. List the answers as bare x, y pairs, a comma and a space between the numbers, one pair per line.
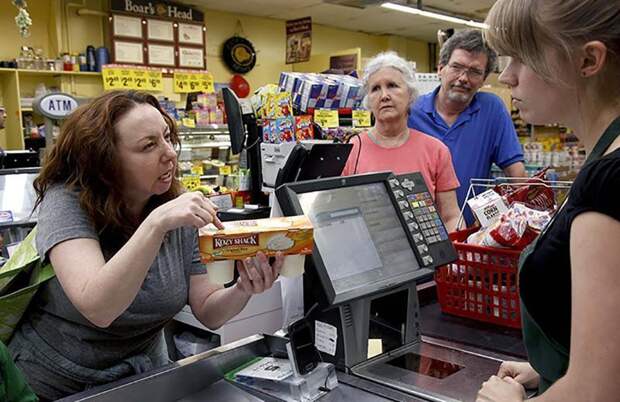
458, 69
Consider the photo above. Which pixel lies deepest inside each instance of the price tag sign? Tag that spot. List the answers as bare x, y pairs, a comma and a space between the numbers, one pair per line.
225, 170
181, 83
326, 118
197, 169
361, 118
126, 76
190, 182
206, 83
195, 82
154, 81
189, 122
111, 79
139, 79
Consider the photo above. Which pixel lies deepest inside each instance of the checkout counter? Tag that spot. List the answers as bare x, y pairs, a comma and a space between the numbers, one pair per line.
376, 237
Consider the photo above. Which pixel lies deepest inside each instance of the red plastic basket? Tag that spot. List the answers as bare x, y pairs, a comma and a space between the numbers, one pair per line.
481, 284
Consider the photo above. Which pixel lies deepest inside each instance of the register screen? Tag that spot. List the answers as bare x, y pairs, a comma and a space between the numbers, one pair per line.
358, 234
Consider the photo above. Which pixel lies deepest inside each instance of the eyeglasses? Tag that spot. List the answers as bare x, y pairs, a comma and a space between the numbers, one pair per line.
458, 69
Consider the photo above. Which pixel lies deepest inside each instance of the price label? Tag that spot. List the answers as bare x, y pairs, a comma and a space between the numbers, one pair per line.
195, 82
126, 77
361, 118
139, 79
225, 170
190, 182
111, 79
154, 81
189, 122
326, 118
181, 83
206, 83
197, 169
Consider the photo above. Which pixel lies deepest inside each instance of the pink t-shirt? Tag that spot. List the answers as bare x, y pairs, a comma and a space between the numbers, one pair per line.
421, 153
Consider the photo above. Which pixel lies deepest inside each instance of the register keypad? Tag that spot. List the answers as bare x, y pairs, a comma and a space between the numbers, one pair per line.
430, 239
429, 221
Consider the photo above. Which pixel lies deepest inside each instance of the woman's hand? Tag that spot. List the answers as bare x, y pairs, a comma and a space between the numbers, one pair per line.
521, 372
496, 389
256, 274
188, 209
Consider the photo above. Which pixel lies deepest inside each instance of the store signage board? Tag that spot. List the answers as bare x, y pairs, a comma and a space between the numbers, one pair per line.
190, 182
361, 118
119, 77
193, 82
160, 9
157, 33
56, 106
298, 40
326, 118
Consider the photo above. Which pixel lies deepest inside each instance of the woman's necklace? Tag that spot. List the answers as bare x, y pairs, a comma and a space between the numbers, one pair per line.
388, 142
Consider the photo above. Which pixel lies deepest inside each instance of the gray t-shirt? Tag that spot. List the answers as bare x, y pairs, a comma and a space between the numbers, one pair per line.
164, 291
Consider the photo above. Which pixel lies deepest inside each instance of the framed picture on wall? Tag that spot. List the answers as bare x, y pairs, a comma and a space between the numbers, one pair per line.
128, 52
129, 27
159, 30
191, 33
161, 55
191, 57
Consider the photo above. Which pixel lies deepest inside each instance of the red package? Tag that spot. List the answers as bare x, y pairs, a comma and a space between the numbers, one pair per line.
536, 194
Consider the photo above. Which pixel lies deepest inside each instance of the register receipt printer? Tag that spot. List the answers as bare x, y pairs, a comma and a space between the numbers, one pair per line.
375, 235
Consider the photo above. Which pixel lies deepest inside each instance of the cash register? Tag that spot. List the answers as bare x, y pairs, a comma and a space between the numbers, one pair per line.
375, 236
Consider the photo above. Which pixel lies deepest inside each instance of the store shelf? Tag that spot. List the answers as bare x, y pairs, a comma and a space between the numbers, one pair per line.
214, 144
209, 176
210, 129
22, 71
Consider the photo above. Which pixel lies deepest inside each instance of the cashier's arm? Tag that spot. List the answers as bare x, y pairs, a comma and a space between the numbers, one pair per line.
213, 305
595, 332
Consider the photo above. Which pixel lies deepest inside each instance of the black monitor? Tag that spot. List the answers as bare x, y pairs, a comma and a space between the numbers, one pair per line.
361, 245
234, 116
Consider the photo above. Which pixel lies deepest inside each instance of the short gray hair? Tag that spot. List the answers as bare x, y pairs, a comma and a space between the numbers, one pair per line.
393, 60
470, 40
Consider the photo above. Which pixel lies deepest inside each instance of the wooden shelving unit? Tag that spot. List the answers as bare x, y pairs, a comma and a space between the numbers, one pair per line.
16, 84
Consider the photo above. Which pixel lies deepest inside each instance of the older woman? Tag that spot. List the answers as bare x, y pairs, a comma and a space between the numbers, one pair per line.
565, 68
389, 145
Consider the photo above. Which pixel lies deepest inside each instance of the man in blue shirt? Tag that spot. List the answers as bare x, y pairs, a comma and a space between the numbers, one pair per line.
474, 125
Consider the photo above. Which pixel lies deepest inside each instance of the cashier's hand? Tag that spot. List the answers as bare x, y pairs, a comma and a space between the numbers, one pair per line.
522, 372
256, 274
496, 389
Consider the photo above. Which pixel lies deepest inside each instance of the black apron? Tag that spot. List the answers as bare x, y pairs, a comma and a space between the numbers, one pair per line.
546, 355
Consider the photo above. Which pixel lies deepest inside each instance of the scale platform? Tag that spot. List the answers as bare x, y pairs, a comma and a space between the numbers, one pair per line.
435, 373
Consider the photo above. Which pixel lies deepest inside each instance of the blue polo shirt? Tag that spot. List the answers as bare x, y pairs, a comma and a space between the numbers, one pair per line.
483, 134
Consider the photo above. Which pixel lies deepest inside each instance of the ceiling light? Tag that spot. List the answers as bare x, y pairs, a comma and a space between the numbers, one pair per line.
430, 14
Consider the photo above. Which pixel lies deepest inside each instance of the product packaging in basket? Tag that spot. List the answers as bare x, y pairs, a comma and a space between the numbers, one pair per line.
240, 239
516, 228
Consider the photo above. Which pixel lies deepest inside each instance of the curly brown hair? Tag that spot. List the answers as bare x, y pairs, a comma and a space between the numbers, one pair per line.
85, 159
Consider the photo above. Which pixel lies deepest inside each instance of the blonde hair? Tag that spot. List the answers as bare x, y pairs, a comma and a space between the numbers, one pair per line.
530, 29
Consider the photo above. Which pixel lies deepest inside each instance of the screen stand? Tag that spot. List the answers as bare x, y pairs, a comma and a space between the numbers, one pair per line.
404, 361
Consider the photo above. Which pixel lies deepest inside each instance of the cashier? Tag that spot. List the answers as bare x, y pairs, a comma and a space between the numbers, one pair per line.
122, 238
388, 83
565, 68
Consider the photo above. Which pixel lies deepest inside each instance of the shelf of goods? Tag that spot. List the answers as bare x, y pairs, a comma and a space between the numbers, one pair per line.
17, 90
206, 152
